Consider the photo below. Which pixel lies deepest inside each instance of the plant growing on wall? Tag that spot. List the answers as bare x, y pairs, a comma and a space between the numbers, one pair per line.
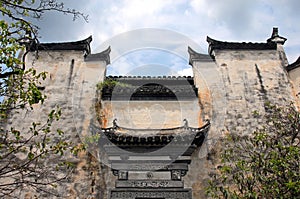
23, 154
103, 87
264, 165
110, 84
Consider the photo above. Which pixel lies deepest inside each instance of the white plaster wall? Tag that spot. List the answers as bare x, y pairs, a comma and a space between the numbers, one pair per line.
229, 93
150, 114
73, 89
294, 76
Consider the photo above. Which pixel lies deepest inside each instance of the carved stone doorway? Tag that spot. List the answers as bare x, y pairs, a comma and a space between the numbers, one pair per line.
155, 175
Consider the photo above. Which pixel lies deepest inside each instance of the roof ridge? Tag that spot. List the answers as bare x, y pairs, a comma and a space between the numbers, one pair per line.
185, 126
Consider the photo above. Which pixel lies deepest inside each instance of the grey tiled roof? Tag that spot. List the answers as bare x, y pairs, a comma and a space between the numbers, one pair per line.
224, 45
179, 135
82, 45
149, 88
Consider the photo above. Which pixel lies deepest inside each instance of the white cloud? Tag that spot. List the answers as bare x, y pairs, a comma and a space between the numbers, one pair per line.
231, 20
186, 72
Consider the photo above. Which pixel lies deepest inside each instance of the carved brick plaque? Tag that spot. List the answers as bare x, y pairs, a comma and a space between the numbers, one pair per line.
149, 184
151, 194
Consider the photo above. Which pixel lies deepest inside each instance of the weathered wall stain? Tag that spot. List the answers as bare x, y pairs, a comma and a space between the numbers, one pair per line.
231, 87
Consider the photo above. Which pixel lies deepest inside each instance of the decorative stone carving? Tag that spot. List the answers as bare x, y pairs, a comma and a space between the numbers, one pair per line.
123, 175
176, 175
149, 175
115, 172
183, 172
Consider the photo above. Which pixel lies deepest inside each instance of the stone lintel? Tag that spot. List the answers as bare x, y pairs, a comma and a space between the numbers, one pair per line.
179, 160
172, 151
149, 166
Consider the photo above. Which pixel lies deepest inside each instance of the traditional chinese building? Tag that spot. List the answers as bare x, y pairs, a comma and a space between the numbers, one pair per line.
157, 135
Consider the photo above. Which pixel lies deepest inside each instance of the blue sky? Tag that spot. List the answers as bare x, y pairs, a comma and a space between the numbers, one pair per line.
151, 61
227, 20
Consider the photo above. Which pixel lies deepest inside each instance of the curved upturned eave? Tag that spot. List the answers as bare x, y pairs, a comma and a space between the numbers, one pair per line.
177, 135
102, 56
195, 56
294, 65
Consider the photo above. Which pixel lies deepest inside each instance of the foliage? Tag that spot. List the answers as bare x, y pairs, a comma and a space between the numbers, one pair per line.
110, 84
23, 153
265, 165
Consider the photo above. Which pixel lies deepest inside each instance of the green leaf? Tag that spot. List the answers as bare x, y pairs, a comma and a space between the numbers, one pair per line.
30, 155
